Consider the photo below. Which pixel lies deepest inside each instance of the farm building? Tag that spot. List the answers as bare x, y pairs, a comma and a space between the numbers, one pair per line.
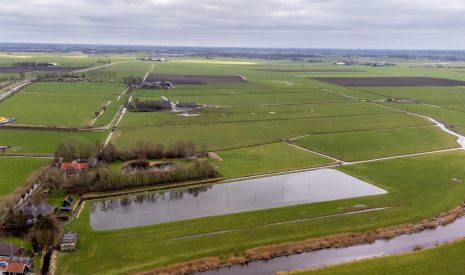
68, 242
73, 167
8, 250
33, 211
187, 105
13, 268
66, 206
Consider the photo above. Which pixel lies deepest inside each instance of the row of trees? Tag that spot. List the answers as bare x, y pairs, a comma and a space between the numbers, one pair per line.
133, 80
149, 105
77, 148
105, 178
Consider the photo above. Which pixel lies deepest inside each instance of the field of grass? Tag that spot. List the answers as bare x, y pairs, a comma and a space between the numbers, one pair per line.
364, 145
222, 136
249, 132
445, 259
416, 189
454, 119
41, 142
269, 158
254, 114
441, 96
59, 104
15, 171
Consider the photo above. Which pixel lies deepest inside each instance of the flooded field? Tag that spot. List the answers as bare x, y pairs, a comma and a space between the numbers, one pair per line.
232, 197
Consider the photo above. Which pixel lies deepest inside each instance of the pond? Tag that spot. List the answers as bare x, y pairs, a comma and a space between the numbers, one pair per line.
232, 197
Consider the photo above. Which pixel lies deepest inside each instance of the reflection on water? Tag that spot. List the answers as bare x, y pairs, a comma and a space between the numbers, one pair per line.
253, 194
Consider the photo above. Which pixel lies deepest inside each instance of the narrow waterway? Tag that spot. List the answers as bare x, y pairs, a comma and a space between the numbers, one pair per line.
231, 197
403, 243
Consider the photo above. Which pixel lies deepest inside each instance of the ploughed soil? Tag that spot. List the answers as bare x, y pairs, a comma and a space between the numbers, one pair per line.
390, 81
25, 69
194, 79
311, 70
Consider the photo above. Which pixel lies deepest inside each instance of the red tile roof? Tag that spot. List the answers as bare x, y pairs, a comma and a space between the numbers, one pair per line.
74, 165
14, 267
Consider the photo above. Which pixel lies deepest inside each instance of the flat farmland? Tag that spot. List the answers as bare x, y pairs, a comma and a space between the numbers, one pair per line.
391, 81
251, 114
195, 79
262, 99
36, 142
450, 97
119, 71
263, 159
24, 69
453, 118
365, 145
15, 171
412, 184
222, 136
59, 104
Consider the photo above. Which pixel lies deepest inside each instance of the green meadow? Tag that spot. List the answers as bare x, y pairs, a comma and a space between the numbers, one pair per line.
365, 145
59, 104
268, 158
15, 171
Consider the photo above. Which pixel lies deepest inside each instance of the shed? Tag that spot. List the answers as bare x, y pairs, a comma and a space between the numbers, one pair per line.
68, 242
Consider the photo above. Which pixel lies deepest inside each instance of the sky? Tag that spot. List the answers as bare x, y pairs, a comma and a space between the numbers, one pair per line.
373, 24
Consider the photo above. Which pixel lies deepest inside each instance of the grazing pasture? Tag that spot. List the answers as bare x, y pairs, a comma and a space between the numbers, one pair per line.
390, 81
365, 145
268, 158
59, 104
255, 113
24, 69
222, 136
194, 79
41, 142
15, 171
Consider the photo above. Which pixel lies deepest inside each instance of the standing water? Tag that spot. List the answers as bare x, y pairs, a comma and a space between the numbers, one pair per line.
232, 197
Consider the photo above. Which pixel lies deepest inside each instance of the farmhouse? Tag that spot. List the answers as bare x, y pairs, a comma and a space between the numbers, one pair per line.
73, 167
8, 250
13, 268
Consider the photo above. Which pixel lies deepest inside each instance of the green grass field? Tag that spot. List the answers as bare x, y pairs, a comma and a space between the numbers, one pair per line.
249, 127
59, 104
413, 183
15, 171
364, 145
269, 158
41, 142
251, 114
222, 136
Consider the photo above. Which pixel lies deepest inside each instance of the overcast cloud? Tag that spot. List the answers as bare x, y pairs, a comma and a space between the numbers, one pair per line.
256, 23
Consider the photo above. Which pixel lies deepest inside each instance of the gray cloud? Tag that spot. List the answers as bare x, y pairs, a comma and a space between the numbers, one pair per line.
262, 23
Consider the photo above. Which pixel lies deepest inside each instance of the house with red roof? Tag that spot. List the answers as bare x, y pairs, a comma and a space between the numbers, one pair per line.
13, 268
73, 167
